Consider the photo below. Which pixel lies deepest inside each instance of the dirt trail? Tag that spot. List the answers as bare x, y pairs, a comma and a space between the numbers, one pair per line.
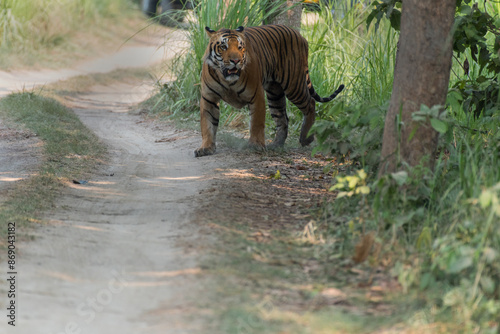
118, 254
151, 47
20, 150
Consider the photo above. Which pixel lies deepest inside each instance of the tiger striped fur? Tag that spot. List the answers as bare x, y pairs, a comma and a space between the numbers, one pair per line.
241, 66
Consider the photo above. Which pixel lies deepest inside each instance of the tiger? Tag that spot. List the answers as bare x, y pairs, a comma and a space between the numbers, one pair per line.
241, 66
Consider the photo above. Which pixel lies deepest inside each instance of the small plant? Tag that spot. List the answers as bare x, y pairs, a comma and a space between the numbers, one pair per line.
352, 133
351, 185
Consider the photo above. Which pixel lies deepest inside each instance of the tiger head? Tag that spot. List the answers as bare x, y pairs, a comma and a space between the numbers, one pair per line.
226, 52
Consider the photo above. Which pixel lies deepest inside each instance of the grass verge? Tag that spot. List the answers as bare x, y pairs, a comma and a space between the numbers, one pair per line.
70, 151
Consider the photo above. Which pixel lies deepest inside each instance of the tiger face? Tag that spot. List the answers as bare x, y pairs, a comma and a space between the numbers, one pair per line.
227, 52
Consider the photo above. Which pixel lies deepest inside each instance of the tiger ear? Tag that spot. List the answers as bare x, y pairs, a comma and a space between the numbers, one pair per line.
239, 29
209, 31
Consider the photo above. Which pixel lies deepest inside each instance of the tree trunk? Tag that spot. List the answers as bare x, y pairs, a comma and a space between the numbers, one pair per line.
421, 76
292, 17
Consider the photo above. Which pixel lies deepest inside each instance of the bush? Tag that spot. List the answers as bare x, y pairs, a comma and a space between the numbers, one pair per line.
446, 220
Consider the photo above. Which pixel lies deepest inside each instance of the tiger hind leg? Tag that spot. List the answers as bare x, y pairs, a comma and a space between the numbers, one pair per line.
309, 111
300, 95
277, 107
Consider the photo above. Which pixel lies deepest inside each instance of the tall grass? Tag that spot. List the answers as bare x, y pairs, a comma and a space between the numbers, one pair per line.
342, 50
28, 26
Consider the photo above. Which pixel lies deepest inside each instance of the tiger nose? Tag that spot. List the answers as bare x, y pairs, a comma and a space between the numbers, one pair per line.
235, 61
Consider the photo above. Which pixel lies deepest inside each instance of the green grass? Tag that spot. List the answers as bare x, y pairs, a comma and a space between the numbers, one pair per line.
58, 32
70, 151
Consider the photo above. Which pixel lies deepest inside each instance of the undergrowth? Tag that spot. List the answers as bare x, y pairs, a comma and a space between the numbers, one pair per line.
437, 230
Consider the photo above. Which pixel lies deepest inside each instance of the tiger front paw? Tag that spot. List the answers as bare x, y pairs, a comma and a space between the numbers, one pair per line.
254, 146
202, 151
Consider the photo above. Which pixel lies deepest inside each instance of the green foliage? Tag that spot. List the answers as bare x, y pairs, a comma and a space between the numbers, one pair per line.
351, 185
450, 217
476, 42
479, 97
467, 256
352, 133
390, 8
351, 127
446, 220
434, 115
476, 30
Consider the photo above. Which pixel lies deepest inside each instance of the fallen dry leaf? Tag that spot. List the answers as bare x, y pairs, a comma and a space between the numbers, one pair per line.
332, 293
260, 234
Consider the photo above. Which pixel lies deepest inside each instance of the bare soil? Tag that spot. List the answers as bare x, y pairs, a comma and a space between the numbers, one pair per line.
19, 149
269, 190
20, 153
118, 254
